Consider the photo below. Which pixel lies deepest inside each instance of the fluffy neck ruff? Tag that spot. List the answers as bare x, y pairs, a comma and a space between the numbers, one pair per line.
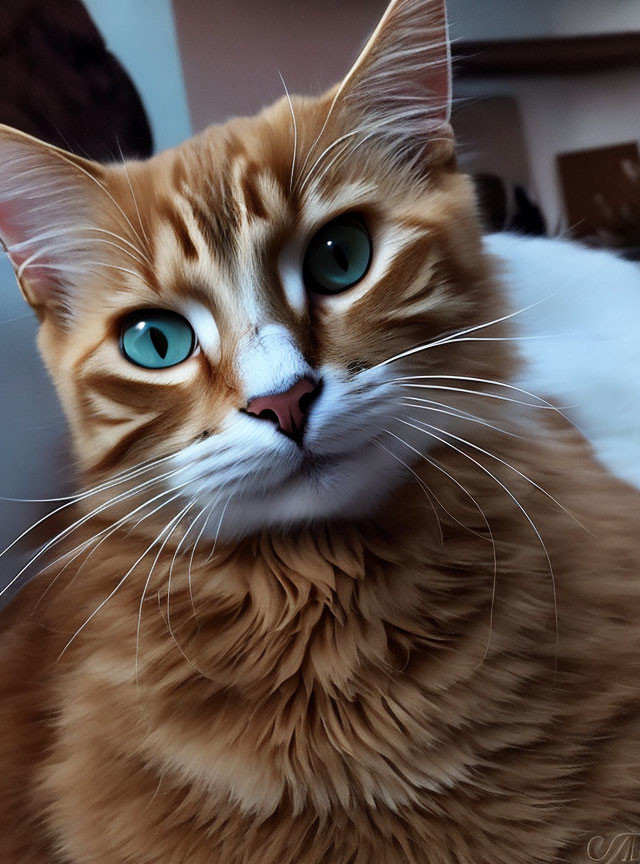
334, 666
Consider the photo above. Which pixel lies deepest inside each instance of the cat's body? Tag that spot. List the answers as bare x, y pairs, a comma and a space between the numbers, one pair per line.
369, 626
367, 700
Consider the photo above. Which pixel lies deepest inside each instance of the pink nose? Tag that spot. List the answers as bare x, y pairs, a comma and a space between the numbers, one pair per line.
287, 410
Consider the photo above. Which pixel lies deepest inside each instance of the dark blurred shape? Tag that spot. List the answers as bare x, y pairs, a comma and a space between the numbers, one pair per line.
504, 207
527, 217
492, 148
548, 55
492, 198
61, 84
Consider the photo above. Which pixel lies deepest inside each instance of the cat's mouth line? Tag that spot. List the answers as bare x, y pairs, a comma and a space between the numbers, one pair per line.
312, 467
313, 462
308, 464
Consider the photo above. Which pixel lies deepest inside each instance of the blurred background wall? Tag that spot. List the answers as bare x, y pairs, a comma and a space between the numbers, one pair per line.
141, 34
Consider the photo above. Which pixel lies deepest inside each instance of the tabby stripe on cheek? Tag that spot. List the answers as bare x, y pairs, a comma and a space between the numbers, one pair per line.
145, 395
114, 457
100, 411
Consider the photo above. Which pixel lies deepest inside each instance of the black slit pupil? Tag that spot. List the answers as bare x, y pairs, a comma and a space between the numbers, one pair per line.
159, 341
340, 257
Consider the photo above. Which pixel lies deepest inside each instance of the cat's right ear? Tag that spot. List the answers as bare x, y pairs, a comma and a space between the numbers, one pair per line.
48, 204
398, 92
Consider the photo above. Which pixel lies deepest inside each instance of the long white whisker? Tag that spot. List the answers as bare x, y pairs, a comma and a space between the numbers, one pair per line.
453, 413
108, 194
168, 619
435, 464
174, 524
483, 393
135, 258
173, 561
454, 336
133, 197
57, 233
420, 481
215, 541
320, 133
342, 151
295, 133
543, 403
453, 340
517, 503
104, 534
191, 557
66, 531
115, 480
32, 260
124, 240
327, 150
459, 411
113, 592
504, 384
342, 154
73, 500
491, 538
507, 465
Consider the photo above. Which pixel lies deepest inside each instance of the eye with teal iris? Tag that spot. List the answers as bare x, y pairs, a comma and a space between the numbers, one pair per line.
156, 338
338, 256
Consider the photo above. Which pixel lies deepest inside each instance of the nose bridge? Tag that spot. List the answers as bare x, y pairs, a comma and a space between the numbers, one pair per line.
269, 362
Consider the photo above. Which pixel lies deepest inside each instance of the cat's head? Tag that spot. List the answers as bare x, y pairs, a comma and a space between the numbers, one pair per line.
234, 316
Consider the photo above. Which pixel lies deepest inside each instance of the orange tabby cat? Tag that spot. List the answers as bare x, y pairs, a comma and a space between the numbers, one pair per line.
333, 592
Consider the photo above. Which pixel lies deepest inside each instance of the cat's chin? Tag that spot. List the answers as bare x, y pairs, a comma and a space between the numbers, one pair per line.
343, 486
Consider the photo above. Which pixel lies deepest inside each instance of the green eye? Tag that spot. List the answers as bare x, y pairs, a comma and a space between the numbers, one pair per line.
338, 256
156, 338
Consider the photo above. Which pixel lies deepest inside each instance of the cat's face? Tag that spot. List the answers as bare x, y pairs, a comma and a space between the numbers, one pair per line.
228, 309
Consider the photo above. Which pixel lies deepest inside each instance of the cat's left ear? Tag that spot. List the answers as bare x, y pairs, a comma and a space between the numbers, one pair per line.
399, 89
48, 225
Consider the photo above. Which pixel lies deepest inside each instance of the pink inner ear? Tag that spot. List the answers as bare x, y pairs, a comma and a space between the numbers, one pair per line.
40, 280
45, 217
438, 77
8, 223
439, 85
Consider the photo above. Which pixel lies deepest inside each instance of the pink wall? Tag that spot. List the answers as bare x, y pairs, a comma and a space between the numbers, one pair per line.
232, 49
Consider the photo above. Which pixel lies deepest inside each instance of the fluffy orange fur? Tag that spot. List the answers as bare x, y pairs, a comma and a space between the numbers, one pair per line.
452, 677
